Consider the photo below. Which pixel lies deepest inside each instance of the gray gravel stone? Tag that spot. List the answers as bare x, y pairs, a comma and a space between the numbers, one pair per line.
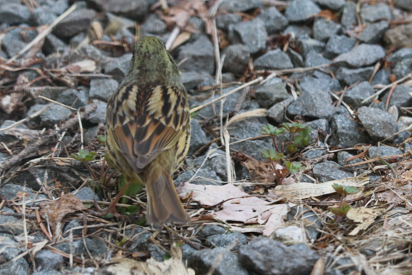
252, 148
191, 80
349, 19
16, 39
102, 89
374, 32
239, 5
343, 156
315, 153
307, 45
313, 59
314, 104
381, 77
204, 176
10, 191
361, 56
99, 115
223, 21
247, 128
252, 34
333, 5
76, 22
53, 115
351, 76
45, 259
86, 52
329, 170
154, 25
14, 13
199, 56
86, 193
378, 123
257, 257
301, 10
384, 151
198, 137
323, 29
311, 220
357, 94
320, 82
210, 230
43, 15
399, 36
203, 260
52, 44
298, 31
399, 55
72, 96
404, 4
371, 13
136, 9
296, 58
273, 60
274, 21
401, 96
402, 68
346, 132
11, 224
118, 67
339, 44
237, 59
234, 240
267, 95
9, 249
4, 137
47, 272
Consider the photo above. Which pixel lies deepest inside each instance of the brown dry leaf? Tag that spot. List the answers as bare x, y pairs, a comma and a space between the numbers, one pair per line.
303, 190
247, 209
180, 39
180, 14
365, 216
276, 220
328, 14
55, 211
172, 266
258, 170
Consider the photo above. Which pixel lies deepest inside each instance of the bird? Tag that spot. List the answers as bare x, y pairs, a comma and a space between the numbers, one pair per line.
148, 130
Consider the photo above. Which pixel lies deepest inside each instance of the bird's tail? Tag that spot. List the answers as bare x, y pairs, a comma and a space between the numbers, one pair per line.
163, 203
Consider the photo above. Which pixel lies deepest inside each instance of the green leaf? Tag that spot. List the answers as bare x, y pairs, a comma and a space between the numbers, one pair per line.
132, 190
291, 148
265, 153
342, 211
140, 221
102, 139
345, 190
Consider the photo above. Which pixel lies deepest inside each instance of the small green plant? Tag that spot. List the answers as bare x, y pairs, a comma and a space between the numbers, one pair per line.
299, 138
343, 207
85, 156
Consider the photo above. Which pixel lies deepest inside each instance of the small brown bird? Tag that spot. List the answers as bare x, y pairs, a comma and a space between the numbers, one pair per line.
148, 130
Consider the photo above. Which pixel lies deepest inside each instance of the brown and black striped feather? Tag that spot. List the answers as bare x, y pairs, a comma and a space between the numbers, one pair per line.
145, 120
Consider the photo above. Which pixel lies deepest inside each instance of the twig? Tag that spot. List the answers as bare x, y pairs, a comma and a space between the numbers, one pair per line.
24, 120
257, 80
387, 86
43, 34
172, 38
32, 148
56, 102
375, 159
165, 7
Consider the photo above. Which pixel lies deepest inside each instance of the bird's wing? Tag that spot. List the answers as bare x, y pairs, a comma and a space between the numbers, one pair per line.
147, 120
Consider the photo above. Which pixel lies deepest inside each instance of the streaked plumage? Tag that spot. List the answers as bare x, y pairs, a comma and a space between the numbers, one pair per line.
148, 129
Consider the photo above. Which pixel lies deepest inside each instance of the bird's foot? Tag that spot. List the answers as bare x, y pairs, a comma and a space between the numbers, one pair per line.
110, 210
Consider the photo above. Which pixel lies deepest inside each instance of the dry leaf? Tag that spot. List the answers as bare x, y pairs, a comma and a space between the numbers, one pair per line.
303, 190
180, 39
365, 216
172, 266
247, 209
276, 220
55, 211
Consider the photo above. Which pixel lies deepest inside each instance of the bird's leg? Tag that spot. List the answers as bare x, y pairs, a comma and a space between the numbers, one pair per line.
112, 207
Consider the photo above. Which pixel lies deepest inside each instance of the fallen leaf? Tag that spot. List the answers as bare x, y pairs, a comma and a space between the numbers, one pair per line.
174, 265
303, 190
180, 39
247, 209
55, 211
365, 216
